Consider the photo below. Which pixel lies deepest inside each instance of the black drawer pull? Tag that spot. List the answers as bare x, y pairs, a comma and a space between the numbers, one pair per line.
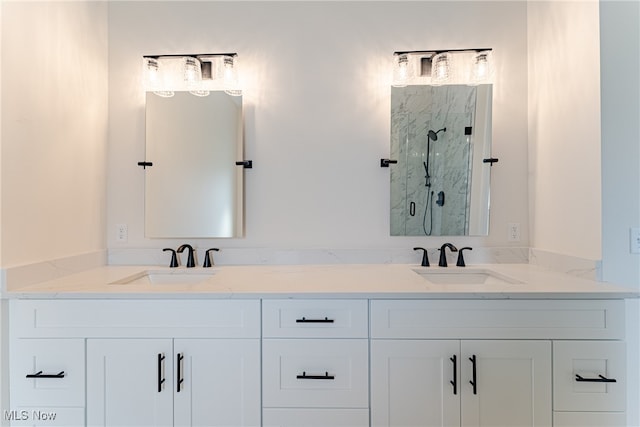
160, 371
474, 380
326, 376
602, 379
39, 374
305, 320
454, 382
179, 379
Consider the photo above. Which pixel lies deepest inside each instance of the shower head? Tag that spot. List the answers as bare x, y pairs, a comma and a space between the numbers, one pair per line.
434, 135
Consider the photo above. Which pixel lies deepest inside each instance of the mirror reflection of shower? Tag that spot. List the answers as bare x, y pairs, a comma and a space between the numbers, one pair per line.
440, 185
428, 209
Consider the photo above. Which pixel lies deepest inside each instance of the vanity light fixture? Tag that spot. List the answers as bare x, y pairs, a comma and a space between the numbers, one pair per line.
197, 74
440, 67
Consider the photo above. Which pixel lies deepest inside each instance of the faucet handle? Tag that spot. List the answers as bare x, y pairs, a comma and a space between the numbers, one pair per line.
425, 257
208, 259
460, 262
174, 257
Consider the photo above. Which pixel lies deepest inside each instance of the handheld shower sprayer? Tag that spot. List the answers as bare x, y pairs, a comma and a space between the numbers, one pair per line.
431, 136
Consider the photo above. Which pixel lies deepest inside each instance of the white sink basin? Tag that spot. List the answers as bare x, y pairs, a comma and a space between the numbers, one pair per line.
166, 277
465, 276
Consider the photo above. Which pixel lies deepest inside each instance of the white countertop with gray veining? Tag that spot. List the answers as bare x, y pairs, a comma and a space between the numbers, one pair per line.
324, 281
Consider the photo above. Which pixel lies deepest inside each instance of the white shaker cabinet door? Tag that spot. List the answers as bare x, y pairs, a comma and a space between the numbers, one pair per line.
219, 382
506, 383
129, 382
415, 383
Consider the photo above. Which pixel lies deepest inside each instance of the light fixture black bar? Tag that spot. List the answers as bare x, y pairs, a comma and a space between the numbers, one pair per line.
192, 55
435, 52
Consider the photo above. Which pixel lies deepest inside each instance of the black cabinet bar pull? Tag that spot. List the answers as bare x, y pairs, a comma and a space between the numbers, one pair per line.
454, 382
39, 374
305, 320
326, 376
179, 378
601, 379
160, 371
473, 381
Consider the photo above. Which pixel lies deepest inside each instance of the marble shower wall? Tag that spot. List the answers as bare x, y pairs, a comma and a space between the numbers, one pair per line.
414, 111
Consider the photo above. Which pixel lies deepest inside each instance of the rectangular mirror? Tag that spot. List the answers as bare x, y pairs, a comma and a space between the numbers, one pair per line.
440, 136
194, 188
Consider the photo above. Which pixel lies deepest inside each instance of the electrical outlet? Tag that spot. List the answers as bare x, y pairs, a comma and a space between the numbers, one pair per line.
634, 237
513, 232
122, 233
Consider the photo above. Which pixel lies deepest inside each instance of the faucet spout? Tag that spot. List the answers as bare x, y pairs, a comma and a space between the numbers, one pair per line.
443, 253
190, 260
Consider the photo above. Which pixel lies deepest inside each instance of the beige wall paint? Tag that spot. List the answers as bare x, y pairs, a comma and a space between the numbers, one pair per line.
54, 130
4, 365
317, 86
564, 127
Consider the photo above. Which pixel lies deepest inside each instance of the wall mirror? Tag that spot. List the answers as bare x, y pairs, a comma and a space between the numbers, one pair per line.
194, 187
441, 141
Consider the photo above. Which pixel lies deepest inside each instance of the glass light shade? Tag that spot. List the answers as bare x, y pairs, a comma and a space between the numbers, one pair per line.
481, 67
230, 76
441, 68
151, 73
154, 78
400, 69
192, 74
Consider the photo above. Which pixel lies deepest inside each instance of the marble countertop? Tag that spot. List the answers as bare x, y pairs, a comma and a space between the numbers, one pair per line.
323, 281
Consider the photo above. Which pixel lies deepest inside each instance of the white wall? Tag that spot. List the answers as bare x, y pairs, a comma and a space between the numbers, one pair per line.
54, 79
620, 70
4, 386
317, 89
564, 127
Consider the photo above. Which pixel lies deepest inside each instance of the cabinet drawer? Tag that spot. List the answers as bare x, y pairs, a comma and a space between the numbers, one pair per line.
45, 417
495, 319
136, 318
589, 360
61, 358
589, 419
315, 418
315, 319
315, 373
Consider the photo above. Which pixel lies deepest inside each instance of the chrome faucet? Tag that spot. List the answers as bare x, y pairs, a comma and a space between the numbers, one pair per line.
190, 260
443, 254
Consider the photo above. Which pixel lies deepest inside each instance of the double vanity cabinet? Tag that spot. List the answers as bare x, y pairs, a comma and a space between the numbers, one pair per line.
317, 362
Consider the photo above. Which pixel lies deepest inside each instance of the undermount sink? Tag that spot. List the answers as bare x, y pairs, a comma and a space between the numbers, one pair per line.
465, 276
166, 277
